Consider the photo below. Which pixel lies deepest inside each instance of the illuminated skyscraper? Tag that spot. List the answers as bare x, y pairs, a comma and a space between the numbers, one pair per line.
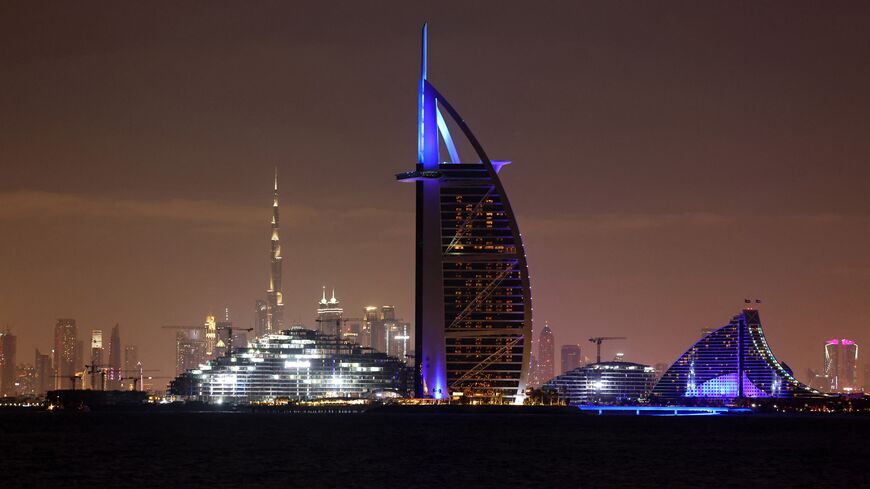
275, 294
329, 315
261, 318
210, 336
64, 353
223, 330
570, 357
7, 364
371, 317
114, 374
190, 350
841, 365
398, 339
473, 297
384, 332
545, 369
96, 363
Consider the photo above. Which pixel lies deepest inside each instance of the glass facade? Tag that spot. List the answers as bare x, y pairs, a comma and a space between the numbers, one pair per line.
604, 383
733, 361
298, 364
484, 306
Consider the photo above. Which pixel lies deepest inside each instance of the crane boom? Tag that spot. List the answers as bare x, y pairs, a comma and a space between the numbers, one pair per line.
598, 340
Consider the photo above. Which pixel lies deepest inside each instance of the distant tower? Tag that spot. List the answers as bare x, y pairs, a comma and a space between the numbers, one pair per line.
261, 318
190, 350
43, 381
570, 357
329, 314
96, 359
132, 367
210, 336
546, 356
371, 328
841, 365
275, 294
7, 364
114, 374
64, 353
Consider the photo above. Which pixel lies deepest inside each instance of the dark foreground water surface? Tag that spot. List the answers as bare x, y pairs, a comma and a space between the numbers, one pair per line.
192, 450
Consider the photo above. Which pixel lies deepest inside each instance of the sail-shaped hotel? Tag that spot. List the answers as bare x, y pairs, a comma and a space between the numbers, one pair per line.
473, 296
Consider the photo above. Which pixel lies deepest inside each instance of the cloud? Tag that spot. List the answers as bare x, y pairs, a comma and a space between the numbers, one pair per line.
636, 223
29, 204
606, 224
207, 215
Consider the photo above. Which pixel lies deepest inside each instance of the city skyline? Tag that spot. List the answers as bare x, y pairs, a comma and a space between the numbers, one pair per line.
120, 220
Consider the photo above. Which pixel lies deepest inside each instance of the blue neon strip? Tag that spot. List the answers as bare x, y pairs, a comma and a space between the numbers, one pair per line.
666, 410
445, 134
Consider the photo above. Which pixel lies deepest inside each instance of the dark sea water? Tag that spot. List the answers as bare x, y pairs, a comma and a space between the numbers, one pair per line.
216, 450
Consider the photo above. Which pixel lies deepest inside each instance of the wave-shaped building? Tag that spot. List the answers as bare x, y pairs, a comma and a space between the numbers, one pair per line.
296, 364
734, 361
473, 298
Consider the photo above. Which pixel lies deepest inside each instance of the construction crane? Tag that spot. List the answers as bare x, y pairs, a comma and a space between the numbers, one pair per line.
229, 330
598, 340
138, 380
139, 374
72, 378
340, 323
181, 326
93, 369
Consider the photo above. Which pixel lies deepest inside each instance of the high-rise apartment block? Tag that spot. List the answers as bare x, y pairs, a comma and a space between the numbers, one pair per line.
545, 368
261, 318
44, 376
65, 353
570, 357
8, 372
841, 365
114, 374
95, 368
384, 332
190, 350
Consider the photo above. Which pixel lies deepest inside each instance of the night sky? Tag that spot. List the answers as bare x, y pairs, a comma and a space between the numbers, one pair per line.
670, 160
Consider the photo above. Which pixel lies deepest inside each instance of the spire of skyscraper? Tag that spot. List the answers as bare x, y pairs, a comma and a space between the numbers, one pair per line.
275, 294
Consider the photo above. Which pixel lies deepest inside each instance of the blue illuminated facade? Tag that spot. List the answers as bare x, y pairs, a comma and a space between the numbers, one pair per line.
731, 362
473, 298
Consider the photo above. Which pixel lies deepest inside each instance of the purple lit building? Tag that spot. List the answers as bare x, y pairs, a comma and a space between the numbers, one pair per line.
473, 297
841, 365
731, 362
